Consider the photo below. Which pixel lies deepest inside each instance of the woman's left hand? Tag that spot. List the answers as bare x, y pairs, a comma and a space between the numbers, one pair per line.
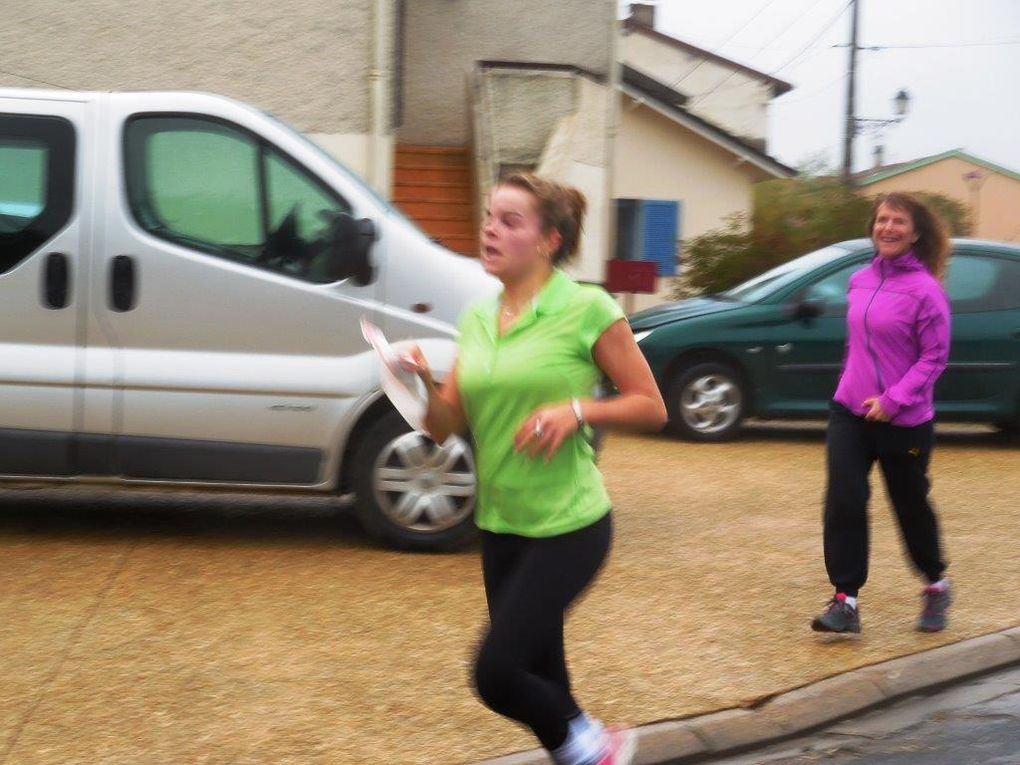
545, 430
875, 412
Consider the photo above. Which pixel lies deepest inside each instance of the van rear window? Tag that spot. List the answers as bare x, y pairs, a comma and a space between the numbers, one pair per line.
36, 183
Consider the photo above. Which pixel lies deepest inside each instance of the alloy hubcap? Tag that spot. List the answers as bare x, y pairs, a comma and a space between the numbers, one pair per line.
711, 403
425, 487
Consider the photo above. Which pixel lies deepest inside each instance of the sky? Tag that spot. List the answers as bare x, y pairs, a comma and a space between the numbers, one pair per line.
963, 77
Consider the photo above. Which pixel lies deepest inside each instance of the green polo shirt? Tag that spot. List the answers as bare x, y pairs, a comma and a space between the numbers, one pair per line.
545, 358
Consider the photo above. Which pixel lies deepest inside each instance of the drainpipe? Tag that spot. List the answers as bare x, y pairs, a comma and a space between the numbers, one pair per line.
378, 146
612, 128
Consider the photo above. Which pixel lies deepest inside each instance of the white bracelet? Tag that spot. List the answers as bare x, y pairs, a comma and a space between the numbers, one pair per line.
575, 405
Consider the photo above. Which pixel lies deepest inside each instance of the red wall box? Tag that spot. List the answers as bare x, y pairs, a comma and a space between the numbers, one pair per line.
630, 276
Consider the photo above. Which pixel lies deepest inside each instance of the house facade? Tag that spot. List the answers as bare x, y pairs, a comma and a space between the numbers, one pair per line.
990, 192
691, 143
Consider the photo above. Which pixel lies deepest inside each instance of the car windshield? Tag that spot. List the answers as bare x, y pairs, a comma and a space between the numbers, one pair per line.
763, 285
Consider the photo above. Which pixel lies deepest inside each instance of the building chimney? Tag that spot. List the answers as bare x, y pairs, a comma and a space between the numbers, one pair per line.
879, 152
643, 13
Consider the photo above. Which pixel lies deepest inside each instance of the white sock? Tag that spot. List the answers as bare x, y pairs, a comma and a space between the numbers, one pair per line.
583, 744
851, 601
941, 585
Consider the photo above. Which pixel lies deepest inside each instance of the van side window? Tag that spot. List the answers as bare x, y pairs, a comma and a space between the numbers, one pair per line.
37, 157
218, 189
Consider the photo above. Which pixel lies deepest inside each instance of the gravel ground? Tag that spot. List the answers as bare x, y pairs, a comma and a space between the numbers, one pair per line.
174, 629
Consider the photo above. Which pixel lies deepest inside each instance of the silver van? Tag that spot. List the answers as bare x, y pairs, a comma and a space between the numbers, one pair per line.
181, 282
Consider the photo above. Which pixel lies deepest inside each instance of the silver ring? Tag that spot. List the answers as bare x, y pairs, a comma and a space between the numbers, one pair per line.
538, 429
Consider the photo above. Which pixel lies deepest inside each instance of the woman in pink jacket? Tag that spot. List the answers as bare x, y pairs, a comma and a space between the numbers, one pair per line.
897, 346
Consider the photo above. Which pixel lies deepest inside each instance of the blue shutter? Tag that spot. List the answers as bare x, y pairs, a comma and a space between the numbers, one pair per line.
659, 227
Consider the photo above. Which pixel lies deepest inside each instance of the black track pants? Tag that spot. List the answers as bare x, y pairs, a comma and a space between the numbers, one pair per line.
521, 670
853, 446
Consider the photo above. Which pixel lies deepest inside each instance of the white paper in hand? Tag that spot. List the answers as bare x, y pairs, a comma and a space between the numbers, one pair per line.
404, 389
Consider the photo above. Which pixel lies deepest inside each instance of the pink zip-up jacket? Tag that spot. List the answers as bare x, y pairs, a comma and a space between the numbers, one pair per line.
897, 339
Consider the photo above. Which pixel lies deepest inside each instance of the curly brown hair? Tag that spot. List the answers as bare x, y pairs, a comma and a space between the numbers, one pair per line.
932, 245
560, 207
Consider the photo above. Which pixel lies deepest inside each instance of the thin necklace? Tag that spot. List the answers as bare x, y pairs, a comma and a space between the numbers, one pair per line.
511, 313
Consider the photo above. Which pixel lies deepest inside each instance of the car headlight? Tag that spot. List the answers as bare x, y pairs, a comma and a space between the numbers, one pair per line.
639, 336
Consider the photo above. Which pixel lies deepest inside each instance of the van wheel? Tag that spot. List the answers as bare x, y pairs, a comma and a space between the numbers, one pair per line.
412, 493
706, 402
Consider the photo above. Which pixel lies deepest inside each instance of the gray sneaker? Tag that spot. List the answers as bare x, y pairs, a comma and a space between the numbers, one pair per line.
933, 615
839, 616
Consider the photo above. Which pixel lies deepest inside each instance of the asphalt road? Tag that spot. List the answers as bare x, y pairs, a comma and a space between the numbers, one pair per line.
974, 723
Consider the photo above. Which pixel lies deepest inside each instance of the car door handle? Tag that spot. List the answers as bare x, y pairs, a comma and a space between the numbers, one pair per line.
122, 283
785, 347
56, 277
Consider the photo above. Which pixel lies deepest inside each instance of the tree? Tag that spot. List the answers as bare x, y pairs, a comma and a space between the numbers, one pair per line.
790, 217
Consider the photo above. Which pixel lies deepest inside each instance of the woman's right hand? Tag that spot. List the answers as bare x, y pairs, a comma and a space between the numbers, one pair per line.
413, 360
444, 414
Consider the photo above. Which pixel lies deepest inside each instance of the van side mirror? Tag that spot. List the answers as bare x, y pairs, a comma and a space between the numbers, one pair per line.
349, 248
808, 308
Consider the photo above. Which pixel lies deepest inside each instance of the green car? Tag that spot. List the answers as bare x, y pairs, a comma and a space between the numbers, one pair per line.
773, 346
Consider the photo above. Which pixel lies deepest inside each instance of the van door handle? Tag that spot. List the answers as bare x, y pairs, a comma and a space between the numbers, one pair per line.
122, 283
56, 276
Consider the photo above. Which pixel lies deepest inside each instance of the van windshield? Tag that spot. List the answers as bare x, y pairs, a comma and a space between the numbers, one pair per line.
773, 280
385, 203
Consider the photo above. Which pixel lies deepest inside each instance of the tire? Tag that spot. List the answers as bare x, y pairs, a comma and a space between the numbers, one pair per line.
412, 494
706, 402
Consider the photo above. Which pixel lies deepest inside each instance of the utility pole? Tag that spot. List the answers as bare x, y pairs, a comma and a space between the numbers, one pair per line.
851, 120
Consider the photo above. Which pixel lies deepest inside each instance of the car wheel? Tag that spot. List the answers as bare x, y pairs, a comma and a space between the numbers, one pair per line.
706, 402
412, 493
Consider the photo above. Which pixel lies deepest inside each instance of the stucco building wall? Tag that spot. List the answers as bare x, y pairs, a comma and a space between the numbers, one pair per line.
323, 66
524, 108
577, 153
307, 61
444, 39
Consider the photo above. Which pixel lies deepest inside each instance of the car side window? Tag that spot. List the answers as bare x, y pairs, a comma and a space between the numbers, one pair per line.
977, 283
37, 156
830, 290
218, 189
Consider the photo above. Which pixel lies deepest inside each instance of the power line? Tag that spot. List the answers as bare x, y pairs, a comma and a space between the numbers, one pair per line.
811, 93
738, 30
33, 79
815, 39
935, 45
801, 52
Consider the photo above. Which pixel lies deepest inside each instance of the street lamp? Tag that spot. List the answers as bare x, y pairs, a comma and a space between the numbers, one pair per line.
901, 105
858, 125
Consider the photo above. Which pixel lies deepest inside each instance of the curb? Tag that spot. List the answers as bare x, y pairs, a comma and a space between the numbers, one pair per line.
811, 707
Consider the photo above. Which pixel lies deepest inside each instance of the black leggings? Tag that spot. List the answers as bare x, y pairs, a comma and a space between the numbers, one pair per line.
854, 445
521, 669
